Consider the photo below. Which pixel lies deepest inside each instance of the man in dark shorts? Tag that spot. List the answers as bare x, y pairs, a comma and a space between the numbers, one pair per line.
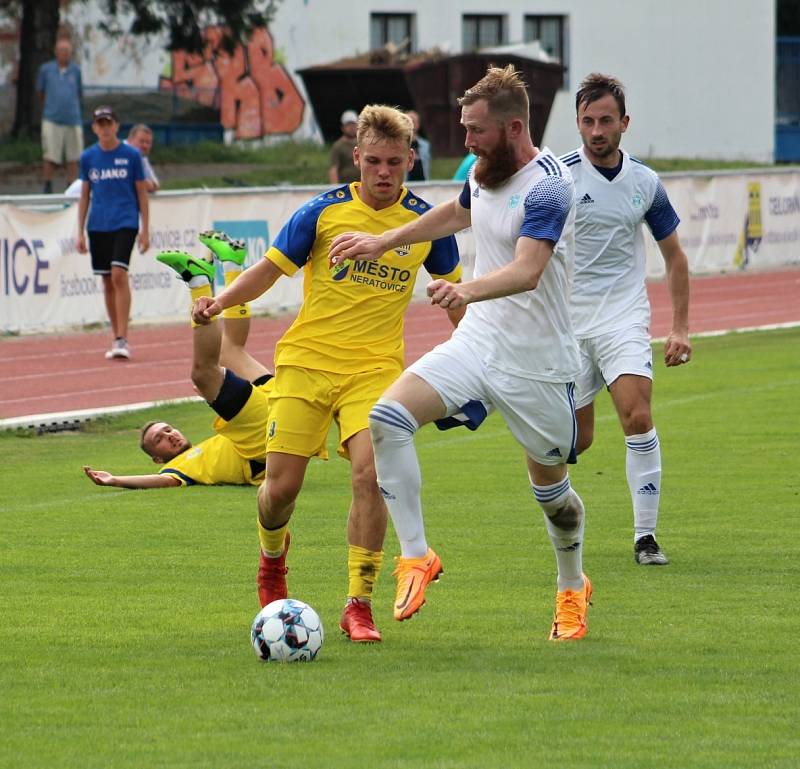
113, 180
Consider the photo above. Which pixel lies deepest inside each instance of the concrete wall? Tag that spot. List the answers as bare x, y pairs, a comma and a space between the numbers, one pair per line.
700, 73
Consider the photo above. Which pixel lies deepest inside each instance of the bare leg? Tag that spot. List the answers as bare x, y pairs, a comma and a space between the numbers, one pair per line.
111, 304
277, 495
631, 395
234, 355
48, 170
72, 171
122, 301
207, 374
584, 416
366, 525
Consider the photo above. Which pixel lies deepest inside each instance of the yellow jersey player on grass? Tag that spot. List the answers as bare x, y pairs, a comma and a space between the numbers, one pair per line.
235, 455
343, 349
233, 383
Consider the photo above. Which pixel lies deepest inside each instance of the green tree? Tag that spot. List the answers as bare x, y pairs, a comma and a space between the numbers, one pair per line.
181, 20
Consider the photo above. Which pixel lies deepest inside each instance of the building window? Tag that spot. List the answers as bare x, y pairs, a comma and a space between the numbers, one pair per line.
482, 31
551, 32
396, 28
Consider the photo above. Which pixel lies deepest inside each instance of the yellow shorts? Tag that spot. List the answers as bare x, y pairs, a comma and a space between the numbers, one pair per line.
248, 429
304, 402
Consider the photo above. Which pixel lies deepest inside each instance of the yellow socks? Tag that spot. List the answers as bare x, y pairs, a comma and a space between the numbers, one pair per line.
231, 272
272, 540
363, 567
197, 292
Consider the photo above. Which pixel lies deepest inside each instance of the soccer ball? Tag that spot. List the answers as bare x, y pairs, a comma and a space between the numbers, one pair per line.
287, 630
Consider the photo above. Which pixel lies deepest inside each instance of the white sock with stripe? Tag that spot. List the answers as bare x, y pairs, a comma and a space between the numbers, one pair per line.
564, 518
643, 469
399, 479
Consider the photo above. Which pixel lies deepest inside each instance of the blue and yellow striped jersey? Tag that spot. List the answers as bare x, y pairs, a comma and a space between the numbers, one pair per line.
352, 320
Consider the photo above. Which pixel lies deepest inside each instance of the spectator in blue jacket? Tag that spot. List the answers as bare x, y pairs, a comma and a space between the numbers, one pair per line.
61, 92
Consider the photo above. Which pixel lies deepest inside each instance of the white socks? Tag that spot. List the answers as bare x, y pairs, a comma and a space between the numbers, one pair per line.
564, 518
643, 469
392, 427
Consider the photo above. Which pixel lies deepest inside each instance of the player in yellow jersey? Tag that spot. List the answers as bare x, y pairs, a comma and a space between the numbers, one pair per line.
236, 454
343, 349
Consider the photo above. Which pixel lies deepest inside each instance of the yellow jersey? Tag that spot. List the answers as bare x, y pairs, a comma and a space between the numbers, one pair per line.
351, 319
237, 454
214, 461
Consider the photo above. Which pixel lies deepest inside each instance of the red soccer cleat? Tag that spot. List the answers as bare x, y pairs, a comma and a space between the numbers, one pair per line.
271, 579
357, 622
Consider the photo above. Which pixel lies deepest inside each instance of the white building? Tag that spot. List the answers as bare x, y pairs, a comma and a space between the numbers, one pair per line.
700, 74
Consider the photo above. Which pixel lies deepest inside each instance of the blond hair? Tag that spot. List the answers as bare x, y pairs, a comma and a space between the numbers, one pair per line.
504, 91
384, 123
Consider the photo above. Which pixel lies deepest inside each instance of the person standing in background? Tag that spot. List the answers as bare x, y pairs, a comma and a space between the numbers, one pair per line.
421, 171
113, 179
60, 89
343, 169
141, 137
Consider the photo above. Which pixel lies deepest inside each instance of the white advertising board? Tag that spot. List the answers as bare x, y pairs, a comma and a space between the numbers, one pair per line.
728, 222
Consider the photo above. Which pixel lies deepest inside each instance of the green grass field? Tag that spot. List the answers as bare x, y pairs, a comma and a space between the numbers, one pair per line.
126, 615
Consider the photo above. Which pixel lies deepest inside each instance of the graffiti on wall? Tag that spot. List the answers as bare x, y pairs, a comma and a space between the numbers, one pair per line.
254, 94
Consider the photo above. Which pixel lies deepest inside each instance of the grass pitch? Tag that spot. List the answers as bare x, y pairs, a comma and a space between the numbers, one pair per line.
125, 633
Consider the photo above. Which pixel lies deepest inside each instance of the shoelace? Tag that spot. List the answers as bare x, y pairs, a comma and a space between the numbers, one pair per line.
359, 612
647, 544
569, 606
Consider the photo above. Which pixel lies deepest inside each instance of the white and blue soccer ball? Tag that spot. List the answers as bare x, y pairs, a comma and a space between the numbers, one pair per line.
287, 630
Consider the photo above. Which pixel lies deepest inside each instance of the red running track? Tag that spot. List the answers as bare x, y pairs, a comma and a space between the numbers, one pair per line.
58, 373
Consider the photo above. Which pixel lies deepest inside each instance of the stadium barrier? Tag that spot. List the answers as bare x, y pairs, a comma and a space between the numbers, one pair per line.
730, 221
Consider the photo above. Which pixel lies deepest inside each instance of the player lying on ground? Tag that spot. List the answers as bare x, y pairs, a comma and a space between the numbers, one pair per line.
236, 454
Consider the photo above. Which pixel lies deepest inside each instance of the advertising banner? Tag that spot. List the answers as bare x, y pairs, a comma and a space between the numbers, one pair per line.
729, 222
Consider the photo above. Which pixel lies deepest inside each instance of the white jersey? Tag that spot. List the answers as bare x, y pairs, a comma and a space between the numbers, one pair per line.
528, 334
608, 289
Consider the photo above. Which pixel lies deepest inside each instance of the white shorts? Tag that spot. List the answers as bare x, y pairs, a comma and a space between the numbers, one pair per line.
540, 415
61, 143
606, 357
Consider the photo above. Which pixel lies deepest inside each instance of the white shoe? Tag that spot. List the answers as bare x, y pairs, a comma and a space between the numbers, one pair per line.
119, 349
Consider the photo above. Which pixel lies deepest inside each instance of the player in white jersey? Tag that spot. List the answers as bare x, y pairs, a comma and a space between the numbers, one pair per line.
514, 350
615, 195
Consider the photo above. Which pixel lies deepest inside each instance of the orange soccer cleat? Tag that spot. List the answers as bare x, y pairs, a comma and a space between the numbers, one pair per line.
569, 622
413, 576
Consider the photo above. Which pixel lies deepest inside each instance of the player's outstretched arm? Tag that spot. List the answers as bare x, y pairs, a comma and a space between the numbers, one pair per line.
251, 284
678, 348
442, 220
102, 478
522, 274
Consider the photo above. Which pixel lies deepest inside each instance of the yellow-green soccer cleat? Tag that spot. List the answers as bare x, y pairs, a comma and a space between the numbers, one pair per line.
223, 247
413, 576
187, 266
569, 622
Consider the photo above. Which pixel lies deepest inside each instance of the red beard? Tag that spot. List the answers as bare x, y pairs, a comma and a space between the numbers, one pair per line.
495, 168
